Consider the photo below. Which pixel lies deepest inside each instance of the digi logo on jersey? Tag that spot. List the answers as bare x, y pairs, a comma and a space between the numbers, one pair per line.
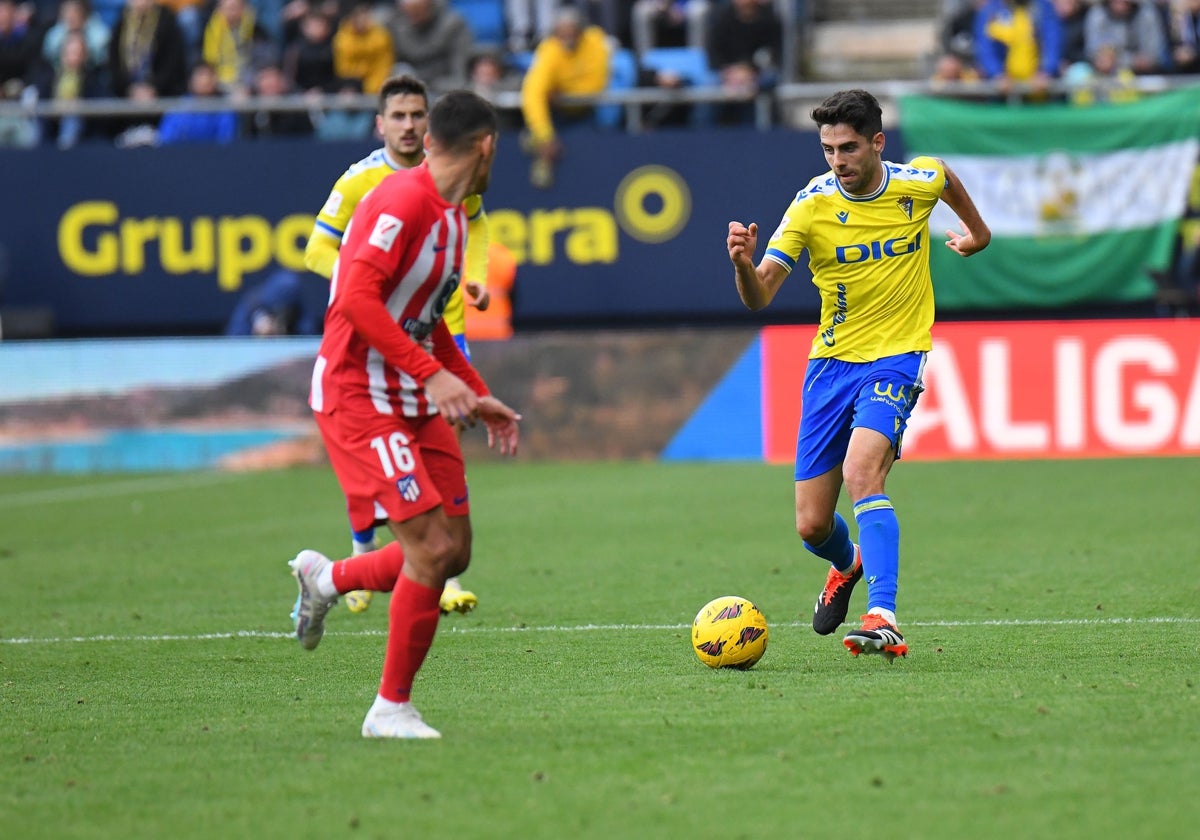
877, 250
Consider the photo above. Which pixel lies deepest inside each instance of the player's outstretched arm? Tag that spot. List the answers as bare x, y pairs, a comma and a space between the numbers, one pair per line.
976, 235
756, 286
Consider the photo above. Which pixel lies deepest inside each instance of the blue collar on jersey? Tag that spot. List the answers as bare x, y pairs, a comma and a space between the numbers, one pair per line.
883, 185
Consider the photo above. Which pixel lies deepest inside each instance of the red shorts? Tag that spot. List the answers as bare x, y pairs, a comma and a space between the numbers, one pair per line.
394, 467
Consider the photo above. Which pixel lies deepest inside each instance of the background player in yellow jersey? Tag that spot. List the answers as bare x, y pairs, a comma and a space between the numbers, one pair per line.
865, 225
401, 122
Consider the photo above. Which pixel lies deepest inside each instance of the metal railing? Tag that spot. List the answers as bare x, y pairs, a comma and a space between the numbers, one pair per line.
766, 105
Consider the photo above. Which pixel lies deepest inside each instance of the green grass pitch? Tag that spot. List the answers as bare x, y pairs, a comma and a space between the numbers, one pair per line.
150, 688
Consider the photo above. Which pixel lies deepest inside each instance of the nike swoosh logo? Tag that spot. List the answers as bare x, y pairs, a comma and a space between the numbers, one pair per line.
439, 248
460, 501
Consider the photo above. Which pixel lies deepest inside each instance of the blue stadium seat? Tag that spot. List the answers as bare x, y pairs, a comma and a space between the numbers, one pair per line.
692, 64
486, 19
109, 11
520, 61
623, 75
689, 62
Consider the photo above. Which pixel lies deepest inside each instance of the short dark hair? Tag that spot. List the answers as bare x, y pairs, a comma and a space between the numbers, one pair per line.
459, 117
398, 85
856, 108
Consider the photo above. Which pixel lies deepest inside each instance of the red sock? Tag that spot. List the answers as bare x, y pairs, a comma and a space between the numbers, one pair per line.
412, 620
375, 570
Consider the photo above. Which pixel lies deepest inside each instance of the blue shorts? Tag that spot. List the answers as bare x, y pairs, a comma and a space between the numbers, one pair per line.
841, 396
461, 340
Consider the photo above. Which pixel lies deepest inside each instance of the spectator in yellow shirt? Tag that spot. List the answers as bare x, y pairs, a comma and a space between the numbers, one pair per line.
235, 45
362, 48
572, 60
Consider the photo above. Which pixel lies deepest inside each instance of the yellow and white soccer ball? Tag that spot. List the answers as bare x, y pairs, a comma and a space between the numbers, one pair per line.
729, 632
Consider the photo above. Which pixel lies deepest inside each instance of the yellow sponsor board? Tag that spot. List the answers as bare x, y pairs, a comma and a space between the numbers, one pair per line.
94, 240
652, 204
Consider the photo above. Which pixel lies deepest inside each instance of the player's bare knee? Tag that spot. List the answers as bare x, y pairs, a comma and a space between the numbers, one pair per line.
445, 556
863, 479
813, 527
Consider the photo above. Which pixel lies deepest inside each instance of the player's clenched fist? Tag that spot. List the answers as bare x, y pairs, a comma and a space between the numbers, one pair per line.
742, 241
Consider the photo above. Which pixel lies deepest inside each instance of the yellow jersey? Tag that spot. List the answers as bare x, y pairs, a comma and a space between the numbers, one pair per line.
869, 257
359, 179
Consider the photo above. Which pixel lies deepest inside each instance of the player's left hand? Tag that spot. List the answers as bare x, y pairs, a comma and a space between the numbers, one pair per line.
477, 295
742, 242
501, 421
963, 244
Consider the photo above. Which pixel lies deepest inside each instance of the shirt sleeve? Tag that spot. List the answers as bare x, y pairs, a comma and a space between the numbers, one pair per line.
937, 183
789, 239
475, 268
446, 351
321, 253
360, 300
329, 227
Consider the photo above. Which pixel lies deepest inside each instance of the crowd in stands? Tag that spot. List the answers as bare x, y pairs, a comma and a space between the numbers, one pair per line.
216, 52
1087, 50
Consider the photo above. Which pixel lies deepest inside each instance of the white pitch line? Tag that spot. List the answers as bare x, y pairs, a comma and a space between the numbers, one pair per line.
582, 628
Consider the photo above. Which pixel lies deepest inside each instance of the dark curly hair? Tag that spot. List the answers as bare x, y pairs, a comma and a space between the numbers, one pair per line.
855, 108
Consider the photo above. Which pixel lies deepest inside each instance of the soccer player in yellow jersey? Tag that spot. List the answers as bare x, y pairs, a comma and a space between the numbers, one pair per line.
402, 119
865, 225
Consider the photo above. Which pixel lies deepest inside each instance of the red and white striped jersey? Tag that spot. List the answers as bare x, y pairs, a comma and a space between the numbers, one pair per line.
399, 264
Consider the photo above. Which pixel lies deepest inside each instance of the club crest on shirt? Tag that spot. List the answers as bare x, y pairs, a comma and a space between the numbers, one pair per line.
410, 491
905, 203
387, 228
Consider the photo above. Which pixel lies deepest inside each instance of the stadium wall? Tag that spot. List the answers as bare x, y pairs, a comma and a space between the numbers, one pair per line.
1046, 389
994, 390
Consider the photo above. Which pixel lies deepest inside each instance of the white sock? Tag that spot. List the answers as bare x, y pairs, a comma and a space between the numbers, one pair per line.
887, 614
452, 583
382, 704
325, 587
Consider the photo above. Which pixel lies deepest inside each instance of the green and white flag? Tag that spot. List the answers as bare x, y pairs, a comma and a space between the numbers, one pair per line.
1081, 201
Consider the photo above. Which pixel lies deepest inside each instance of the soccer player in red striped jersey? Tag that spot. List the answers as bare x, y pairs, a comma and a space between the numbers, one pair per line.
389, 389
401, 122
